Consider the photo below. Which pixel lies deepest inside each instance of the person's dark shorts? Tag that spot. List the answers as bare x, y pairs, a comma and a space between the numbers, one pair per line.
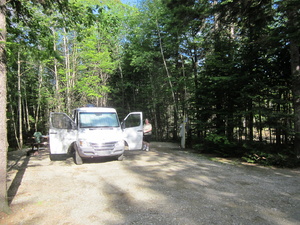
147, 138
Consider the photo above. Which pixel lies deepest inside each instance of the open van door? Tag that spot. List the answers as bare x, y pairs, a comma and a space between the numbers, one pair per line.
132, 127
62, 133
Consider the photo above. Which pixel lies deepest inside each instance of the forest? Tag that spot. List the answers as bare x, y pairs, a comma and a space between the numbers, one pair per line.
230, 69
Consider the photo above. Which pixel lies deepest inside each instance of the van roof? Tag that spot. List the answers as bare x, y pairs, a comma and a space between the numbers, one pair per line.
96, 109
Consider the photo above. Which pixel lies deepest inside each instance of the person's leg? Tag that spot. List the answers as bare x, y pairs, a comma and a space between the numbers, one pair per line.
148, 142
144, 146
144, 143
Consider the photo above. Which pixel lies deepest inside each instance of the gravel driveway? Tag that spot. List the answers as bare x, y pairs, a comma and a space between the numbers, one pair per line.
163, 186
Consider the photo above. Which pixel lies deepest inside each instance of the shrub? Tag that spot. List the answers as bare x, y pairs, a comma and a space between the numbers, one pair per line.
272, 159
221, 145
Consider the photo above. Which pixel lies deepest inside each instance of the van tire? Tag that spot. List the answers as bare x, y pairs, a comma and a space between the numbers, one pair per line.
120, 157
58, 157
77, 158
54, 157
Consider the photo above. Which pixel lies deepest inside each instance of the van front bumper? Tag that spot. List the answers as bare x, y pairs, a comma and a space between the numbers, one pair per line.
94, 149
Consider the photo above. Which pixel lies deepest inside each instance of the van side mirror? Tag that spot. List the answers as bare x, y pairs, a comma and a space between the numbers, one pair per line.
73, 124
123, 125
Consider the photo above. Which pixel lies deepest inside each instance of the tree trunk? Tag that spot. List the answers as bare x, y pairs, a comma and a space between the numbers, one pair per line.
122, 85
166, 68
250, 121
57, 87
295, 66
26, 113
260, 126
13, 122
37, 113
67, 69
3, 131
278, 126
20, 142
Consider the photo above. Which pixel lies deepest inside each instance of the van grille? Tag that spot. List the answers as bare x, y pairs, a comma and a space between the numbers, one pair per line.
103, 146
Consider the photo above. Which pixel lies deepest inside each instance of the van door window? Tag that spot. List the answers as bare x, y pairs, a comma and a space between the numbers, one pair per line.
61, 121
133, 120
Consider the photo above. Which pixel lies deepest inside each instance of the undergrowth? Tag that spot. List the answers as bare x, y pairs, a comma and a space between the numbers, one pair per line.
252, 152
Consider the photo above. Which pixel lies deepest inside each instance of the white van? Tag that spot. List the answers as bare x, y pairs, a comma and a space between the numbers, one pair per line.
94, 132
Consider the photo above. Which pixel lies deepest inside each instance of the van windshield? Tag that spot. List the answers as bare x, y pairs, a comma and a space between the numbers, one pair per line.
98, 119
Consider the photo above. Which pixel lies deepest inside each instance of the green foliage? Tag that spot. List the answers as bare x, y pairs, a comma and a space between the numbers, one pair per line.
226, 66
276, 159
217, 140
220, 144
91, 87
266, 154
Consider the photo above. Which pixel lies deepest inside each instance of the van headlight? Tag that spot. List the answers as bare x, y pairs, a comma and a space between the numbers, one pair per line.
120, 143
83, 143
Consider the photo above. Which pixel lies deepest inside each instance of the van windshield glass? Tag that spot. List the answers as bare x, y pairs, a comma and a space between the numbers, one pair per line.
98, 119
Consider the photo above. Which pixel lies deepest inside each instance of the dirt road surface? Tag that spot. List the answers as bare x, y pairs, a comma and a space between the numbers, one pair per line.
163, 186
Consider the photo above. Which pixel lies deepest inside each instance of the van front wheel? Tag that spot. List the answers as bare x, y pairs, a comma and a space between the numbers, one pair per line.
77, 158
120, 157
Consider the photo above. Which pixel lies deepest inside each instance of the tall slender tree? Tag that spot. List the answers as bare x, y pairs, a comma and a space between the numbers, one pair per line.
18, 10
3, 131
292, 10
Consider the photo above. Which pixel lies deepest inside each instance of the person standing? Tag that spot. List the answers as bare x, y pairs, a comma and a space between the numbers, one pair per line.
147, 135
37, 136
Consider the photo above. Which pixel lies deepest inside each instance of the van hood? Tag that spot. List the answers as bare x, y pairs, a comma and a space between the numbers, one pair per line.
99, 135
